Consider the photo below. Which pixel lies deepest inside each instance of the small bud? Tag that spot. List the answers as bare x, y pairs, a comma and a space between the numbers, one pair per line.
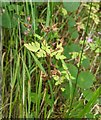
55, 29
29, 26
28, 18
26, 33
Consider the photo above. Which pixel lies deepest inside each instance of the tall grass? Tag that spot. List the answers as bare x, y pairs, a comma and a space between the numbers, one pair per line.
25, 93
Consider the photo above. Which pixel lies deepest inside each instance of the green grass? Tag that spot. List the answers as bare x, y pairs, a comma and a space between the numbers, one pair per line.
46, 87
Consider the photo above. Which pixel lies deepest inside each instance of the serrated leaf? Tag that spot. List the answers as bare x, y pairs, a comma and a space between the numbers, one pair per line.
62, 57
38, 36
59, 56
34, 47
41, 53
58, 80
53, 53
46, 48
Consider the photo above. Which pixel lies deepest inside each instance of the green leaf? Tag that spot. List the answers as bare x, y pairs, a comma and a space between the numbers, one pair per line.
74, 48
73, 71
62, 57
91, 103
90, 115
5, 20
66, 52
85, 63
48, 101
41, 53
46, 48
71, 29
66, 93
8, 21
17, 8
3, 4
87, 94
38, 63
71, 22
38, 36
53, 53
98, 50
58, 80
71, 48
85, 80
71, 6
59, 56
16, 72
33, 97
34, 47
75, 35
64, 11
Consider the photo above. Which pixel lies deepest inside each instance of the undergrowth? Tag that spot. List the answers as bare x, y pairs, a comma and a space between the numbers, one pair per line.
51, 60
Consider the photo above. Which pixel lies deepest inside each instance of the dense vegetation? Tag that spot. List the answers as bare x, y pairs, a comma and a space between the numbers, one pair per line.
51, 63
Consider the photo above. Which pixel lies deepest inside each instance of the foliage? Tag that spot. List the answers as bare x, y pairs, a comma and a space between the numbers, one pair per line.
50, 66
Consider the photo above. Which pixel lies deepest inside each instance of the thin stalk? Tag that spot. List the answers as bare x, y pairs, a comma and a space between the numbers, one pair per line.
11, 88
39, 94
48, 14
80, 61
33, 11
